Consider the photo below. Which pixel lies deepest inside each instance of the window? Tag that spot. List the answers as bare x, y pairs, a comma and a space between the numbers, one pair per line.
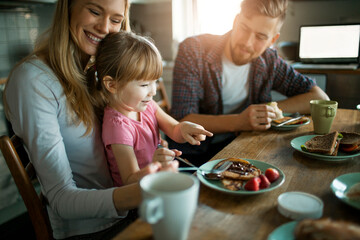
214, 16
193, 17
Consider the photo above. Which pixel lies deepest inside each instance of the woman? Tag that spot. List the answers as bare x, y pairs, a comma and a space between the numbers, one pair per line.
49, 107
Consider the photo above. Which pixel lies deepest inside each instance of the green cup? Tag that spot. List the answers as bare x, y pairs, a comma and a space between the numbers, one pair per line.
323, 113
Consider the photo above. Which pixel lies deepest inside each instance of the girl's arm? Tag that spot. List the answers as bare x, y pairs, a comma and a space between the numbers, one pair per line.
128, 166
181, 132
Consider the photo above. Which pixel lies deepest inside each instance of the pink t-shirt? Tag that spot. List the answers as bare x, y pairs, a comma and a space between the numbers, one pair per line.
142, 135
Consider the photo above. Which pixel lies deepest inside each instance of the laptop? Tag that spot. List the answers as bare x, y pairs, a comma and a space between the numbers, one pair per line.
334, 46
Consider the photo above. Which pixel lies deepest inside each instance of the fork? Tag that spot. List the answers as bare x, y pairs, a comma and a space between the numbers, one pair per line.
217, 171
225, 166
180, 159
213, 174
295, 116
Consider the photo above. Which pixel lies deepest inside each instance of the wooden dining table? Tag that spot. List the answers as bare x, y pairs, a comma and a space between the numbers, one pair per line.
220, 215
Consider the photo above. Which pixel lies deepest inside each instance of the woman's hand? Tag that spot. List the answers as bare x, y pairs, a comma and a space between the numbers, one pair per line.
193, 133
154, 167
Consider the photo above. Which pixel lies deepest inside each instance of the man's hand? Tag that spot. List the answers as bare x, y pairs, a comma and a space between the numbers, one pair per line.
257, 117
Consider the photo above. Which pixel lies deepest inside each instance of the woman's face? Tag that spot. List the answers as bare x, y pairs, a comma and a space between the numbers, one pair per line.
92, 20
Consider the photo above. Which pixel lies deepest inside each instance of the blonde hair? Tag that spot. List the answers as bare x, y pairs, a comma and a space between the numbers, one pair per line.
59, 50
270, 8
125, 57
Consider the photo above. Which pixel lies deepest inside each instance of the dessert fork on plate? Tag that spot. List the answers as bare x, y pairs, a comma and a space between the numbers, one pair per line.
212, 174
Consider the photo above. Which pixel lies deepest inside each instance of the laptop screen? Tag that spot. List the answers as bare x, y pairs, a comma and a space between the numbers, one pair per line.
329, 43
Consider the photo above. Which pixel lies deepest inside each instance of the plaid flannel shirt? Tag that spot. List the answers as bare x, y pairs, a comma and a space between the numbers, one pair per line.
198, 72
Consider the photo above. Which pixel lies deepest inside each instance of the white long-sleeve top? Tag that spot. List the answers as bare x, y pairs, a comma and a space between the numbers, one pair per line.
72, 169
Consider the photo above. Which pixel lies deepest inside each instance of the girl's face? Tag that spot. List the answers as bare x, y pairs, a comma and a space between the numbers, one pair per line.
92, 20
135, 96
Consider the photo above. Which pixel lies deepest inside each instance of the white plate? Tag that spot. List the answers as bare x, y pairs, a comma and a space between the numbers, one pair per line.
342, 184
217, 185
341, 156
284, 232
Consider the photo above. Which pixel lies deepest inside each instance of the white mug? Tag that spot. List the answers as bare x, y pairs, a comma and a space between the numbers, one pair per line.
169, 203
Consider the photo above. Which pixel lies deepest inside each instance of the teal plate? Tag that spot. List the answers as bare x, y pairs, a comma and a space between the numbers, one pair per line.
284, 232
288, 127
297, 142
342, 184
217, 185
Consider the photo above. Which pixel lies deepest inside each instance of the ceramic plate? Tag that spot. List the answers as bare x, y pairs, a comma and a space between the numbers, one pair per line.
342, 184
284, 232
341, 156
217, 185
288, 127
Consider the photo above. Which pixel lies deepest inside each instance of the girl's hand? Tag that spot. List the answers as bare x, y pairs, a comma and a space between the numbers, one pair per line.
165, 156
193, 133
164, 143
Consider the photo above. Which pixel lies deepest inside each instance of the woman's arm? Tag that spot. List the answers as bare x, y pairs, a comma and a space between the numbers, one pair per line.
62, 157
127, 197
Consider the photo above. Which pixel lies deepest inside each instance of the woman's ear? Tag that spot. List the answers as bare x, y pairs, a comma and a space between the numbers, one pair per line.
110, 84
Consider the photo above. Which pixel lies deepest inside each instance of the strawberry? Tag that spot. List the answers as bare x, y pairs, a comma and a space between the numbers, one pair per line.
272, 174
265, 183
253, 184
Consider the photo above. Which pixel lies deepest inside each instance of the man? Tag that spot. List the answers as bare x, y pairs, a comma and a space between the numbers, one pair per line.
222, 82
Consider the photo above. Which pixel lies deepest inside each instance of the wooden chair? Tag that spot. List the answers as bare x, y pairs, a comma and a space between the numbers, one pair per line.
161, 97
24, 178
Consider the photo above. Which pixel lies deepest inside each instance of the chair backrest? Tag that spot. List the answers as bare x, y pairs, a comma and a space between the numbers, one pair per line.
24, 177
162, 97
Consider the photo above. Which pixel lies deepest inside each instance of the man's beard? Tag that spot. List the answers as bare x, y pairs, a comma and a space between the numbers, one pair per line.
236, 58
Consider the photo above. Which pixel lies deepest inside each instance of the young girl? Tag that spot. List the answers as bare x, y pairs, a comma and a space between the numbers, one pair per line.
124, 83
